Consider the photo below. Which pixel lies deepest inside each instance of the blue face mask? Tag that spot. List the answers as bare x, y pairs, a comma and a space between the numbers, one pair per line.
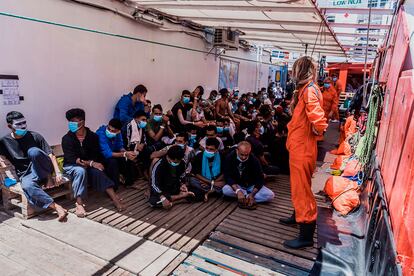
73, 126
226, 129
20, 131
193, 137
236, 94
142, 124
334, 79
186, 100
158, 118
208, 154
326, 85
181, 146
219, 129
174, 164
109, 134
261, 130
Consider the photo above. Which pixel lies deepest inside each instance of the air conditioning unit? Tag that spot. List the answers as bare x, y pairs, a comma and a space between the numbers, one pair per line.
227, 39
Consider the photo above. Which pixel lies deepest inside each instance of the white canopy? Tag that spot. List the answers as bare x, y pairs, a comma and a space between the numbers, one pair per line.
289, 25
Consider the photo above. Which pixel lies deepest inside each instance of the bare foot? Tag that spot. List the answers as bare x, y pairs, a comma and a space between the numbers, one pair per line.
50, 182
118, 204
80, 210
61, 212
207, 195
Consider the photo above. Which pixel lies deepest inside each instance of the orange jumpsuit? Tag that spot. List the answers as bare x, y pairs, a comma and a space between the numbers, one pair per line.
302, 146
330, 101
349, 128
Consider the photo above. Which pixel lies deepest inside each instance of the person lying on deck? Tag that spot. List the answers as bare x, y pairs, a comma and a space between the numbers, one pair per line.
167, 180
83, 161
34, 162
116, 158
207, 177
244, 177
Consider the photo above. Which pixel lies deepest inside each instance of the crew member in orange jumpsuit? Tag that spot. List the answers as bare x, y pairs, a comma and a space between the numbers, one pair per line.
339, 89
347, 130
330, 99
308, 122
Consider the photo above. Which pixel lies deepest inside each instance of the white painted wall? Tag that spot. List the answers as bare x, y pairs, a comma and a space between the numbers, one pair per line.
60, 68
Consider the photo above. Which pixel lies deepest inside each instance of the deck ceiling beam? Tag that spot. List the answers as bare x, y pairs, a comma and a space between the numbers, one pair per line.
377, 11
246, 20
360, 35
274, 39
361, 25
227, 7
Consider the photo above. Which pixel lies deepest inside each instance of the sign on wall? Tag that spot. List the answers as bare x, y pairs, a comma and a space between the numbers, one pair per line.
228, 74
9, 88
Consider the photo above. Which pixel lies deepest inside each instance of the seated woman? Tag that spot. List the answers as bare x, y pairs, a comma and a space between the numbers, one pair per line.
206, 171
168, 180
83, 161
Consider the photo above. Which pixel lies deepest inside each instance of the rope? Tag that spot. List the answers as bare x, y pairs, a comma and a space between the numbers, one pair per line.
370, 132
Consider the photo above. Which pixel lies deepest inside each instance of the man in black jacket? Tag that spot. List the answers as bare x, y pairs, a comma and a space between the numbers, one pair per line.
83, 161
167, 179
244, 177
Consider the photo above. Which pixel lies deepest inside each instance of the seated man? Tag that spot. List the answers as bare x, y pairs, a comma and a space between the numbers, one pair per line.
244, 177
255, 131
193, 138
179, 113
116, 158
223, 132
33, 160
158, 127
130, 103
211, 132
136, 137
82, 161
181, 140
206, 170
167, 180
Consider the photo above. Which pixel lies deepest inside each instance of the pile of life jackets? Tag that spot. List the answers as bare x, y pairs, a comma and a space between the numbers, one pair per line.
343, 186
343, 189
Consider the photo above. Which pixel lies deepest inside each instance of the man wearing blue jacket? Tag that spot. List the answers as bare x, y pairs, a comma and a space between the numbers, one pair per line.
117, 159
129, 104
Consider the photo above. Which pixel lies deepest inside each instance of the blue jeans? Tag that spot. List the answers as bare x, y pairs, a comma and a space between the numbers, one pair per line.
36, 175
81, 177
263, 195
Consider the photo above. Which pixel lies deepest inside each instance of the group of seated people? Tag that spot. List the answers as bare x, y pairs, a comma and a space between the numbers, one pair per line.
201, 147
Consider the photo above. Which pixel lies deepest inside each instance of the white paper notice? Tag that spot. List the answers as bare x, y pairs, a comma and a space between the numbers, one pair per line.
9, 86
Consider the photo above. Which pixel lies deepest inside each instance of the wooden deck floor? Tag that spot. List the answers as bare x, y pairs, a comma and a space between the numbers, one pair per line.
254, 236
257, 236
183, 227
